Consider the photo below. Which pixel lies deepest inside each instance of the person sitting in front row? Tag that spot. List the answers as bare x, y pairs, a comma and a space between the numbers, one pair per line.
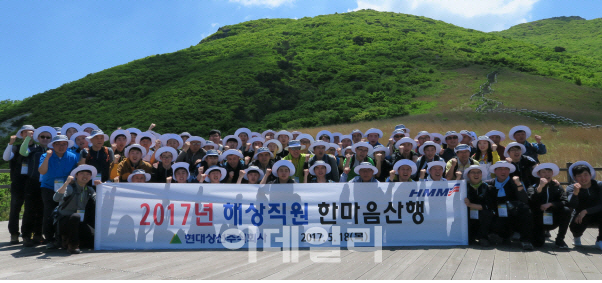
402, 171
73, 199
181, 174
282, 169
365, 173
435, 171
585, 196
479, 213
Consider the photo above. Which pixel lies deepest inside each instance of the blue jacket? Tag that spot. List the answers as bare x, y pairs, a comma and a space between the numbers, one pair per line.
533, 149
58, 168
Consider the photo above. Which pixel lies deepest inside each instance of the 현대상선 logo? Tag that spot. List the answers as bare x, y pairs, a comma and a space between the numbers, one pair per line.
441, 192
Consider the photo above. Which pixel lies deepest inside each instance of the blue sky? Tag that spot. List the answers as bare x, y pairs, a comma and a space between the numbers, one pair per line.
49, 43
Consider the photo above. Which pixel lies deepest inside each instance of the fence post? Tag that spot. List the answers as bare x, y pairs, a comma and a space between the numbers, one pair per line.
568, 174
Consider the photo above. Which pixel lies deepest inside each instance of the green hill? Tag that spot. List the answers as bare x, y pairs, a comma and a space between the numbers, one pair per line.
285, 73
573, 35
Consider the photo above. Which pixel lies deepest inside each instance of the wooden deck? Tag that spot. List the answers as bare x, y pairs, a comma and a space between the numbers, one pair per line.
502, 262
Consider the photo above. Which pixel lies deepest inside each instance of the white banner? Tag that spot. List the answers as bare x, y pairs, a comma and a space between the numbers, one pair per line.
199, 216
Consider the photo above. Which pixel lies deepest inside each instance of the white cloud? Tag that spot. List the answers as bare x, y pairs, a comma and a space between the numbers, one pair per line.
264, 3
484, 15
214, 24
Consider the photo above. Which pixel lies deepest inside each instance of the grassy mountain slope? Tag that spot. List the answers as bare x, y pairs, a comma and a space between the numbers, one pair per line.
284, 73
575, 34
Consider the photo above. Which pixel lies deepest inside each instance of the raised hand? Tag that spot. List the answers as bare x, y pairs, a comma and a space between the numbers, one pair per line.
422, 173
305, 172
49, 153
493, 147
577, 188
458, 175
186, 146
538, 138
12, 140
392, 175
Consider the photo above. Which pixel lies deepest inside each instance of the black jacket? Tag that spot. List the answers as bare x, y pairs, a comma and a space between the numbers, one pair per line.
512, 193
590, 199
478, 195
550, 193
160, 174
524, 168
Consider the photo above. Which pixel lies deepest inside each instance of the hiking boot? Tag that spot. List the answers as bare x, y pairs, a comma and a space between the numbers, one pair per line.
561, 244
74, 249
28, 243
548, 235
37, 239
527, 246
484, 242
14, 239
495, 239
577, 241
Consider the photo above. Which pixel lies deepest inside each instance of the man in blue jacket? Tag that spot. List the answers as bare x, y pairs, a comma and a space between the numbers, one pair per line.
55, 166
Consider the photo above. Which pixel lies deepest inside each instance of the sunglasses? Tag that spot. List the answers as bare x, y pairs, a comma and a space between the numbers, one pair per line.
44, 137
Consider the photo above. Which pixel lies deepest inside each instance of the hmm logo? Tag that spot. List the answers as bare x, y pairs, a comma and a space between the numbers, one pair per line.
447, 192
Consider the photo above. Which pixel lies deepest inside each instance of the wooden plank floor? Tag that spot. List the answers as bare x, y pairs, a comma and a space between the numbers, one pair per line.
473, 262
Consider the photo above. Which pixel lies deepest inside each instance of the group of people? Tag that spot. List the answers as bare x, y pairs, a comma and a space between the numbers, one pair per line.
509, 192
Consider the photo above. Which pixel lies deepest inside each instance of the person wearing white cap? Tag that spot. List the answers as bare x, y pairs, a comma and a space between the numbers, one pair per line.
337, 137
296, 134
459, 163
437, 138
282, 170
33, 204
382, 162
361, 151
549, 205
148, 141
486, 154
80, 141
181, 175
402, 171
429, 154
364, 173
71, 128
497, 137
585, 197
422, 137
325, 136
89, 127
524, 164
479, 214
305, 140
134, 160
520, 134
251, 175
232, 161
214, 175
55, 166
244, 135
185, 136
356, 136
373, 135
133, 134
467, 138
232, 142
252, 145
433, 172
268, 134
98, 155
76, 200
139, 176
299, 160
405, 150
119, 140
283, 137
18, 179
395, 137
317, 173
275, 148
451, 140
192, 152
509, 197
162, 170
264, 161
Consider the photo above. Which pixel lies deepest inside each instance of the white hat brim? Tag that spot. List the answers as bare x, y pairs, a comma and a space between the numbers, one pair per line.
436, 145
554, 167
405, 162
42, 129
281, 163
406, 140
363, 144
127, 150
274, 141
519, 128
513, 144
313, 172
116, 133
502, 164
224, 155
221, 169
84, 167
591, 169
146, 135
359, 167
147, 177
